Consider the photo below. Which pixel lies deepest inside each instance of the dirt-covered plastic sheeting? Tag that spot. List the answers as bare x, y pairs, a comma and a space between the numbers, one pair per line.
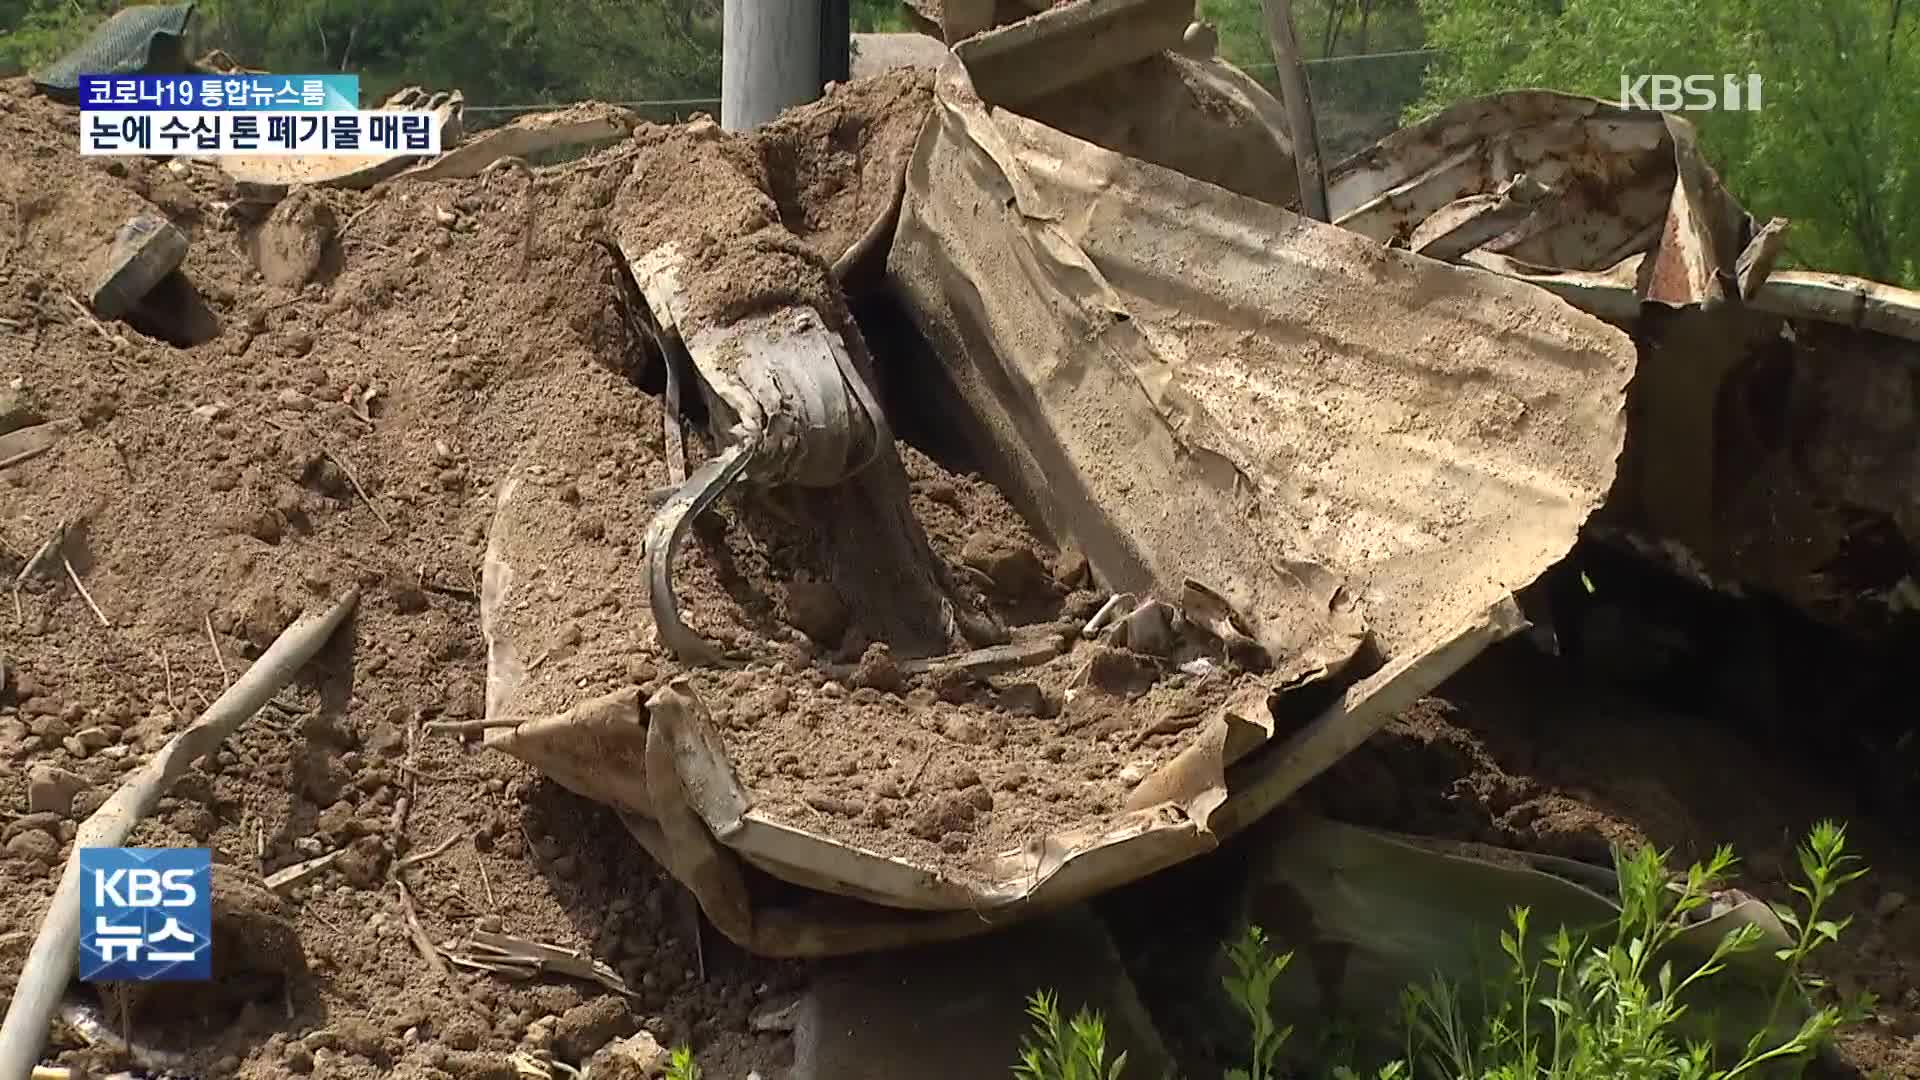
1773, 447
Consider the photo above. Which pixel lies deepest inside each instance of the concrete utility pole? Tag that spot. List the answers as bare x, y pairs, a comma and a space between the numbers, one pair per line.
1299, 104
770, 59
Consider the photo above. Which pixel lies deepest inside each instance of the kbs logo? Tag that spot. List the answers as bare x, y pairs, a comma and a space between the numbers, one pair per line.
1699, 93
146, 914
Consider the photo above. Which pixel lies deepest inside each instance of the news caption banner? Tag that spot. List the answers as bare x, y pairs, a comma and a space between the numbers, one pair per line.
146, 914
284, 115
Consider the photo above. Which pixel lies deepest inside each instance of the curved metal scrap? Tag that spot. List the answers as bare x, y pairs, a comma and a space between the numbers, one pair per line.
1611, 171
1724, 483
796, 412
663, 536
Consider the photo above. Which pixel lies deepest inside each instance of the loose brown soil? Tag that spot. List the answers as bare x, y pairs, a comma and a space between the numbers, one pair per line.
349, 424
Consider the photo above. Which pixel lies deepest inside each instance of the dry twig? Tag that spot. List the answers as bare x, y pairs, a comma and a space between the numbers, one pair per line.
486, 886
355, 216
421, 941
226, 679
517, 958
41, 555
355, 481
470, 727
288, 876
914, 780
112, 338
25, 455
435, 852
84, 594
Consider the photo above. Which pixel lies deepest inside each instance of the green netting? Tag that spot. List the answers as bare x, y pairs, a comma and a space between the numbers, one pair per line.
148, 40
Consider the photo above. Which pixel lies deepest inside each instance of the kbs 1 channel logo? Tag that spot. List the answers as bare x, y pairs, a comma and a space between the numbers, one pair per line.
222, 115
1692, 93
146, 914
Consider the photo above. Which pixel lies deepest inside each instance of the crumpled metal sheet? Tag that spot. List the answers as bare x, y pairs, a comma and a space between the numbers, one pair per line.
1611, 170
1773, 446
1163, 362
1623, 186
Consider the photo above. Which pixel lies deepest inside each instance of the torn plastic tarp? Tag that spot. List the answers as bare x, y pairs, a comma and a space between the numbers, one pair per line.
1215, 400
141, 40
1773, 444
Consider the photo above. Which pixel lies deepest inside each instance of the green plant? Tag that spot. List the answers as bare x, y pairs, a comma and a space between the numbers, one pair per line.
681, 1066
1255, 969
1065, 1049
1585, 1009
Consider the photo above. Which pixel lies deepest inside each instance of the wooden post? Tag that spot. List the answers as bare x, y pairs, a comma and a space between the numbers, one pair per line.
770, 59
1299, 105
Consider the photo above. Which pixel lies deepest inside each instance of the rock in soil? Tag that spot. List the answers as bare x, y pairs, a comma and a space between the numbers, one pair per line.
638, 1058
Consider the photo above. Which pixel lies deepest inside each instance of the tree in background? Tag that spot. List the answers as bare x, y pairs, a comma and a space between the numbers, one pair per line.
1835, 145
32, 31
500, 51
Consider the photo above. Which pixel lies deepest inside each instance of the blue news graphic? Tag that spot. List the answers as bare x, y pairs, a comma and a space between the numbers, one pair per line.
220, 93
146, 914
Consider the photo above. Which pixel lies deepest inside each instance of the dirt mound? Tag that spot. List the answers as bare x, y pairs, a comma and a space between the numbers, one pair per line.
344, 431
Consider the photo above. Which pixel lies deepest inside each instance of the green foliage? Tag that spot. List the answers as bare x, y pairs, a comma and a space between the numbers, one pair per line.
500, 51
1065, 1049
34, 31
1586, 1009
1831, 147
1255, 968
877, 17
681, 1066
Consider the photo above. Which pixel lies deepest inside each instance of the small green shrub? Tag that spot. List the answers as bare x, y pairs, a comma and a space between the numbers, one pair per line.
1580, 1010
1590, 1010
1255, 969
1065, 1049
